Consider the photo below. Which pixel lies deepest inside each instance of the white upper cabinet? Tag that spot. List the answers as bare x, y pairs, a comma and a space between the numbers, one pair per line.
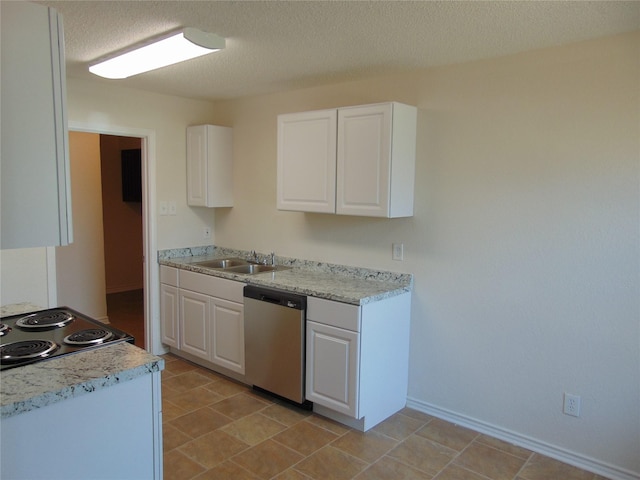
350, 161
376, 160
36, 197
209, 166
307, 161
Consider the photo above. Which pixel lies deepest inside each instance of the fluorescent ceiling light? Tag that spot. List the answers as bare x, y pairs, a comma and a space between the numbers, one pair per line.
185, 45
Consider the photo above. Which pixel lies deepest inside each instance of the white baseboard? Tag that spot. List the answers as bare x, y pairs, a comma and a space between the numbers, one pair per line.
561, 454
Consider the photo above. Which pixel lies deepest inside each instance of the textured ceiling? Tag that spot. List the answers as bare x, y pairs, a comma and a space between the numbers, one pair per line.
280, 45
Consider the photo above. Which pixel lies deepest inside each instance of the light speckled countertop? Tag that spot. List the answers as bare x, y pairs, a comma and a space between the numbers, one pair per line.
357, 286
40, 384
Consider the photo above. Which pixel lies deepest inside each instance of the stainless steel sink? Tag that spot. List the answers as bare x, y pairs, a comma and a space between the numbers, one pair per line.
253, 268
239, 265
222, 263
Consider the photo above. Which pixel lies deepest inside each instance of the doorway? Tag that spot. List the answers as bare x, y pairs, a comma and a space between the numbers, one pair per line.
75, 285
122, 207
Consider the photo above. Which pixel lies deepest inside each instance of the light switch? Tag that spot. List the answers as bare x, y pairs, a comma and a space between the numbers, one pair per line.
172, 208
163, 207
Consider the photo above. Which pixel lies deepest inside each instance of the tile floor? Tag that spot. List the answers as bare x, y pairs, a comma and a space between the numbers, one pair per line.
215, 428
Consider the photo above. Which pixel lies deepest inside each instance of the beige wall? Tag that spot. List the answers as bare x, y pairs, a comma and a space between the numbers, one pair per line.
80, 265
25, 275
524, 242
122, 221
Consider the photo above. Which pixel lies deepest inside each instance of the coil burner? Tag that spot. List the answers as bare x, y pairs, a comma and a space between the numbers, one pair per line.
90, 336
26, 350
4, 329
46, 319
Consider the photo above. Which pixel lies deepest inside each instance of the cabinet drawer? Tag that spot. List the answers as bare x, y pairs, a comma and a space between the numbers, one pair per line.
169, 275
336, 314
213, 286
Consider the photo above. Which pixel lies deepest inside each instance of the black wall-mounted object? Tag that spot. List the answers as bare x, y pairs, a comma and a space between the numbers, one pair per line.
131, 175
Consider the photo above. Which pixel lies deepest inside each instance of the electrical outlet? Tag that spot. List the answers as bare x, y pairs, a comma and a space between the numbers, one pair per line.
397, 251
571, 405
206, 232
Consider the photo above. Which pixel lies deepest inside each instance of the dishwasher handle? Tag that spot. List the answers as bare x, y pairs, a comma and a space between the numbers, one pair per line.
270, 299
276, 297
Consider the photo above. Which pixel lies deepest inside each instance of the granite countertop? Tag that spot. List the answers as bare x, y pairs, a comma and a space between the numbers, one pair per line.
357, 286
43, 383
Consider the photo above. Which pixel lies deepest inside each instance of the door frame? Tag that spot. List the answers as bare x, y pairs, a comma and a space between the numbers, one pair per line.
153, 341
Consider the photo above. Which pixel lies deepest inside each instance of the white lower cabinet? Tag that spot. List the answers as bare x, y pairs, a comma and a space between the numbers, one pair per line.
332, 376
169, 306
227, 323
358, 359
203, 319
194, 324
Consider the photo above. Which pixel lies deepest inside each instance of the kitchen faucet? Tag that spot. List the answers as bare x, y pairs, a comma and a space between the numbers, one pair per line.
255, 258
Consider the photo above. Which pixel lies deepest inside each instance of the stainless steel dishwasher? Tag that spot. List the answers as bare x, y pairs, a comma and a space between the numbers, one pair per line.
274, 335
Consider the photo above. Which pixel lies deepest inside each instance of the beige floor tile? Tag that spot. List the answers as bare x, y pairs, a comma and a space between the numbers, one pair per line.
213, 448
239, 406
504, 446
542, 468
368, 446
328, 424
167, 391
178, 466
455, 472
388, 468
490, 462
227, 471
305, 438
399, 426
447, 434
173, 438
291, 474
410, 412
330, 463
267, 459
424, 454
254, 428
195, 398
285, 414
226, 388
175, 366
171, 411
200, 421
186, 381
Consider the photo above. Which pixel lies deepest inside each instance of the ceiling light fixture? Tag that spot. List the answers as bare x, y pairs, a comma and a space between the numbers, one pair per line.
178, 47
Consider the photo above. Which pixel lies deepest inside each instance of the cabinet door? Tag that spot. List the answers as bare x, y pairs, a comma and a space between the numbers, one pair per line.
169, 315
307, 161
227, 326
197, 166
209, 166
332, 368
35, 192
364, 160
194, 316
